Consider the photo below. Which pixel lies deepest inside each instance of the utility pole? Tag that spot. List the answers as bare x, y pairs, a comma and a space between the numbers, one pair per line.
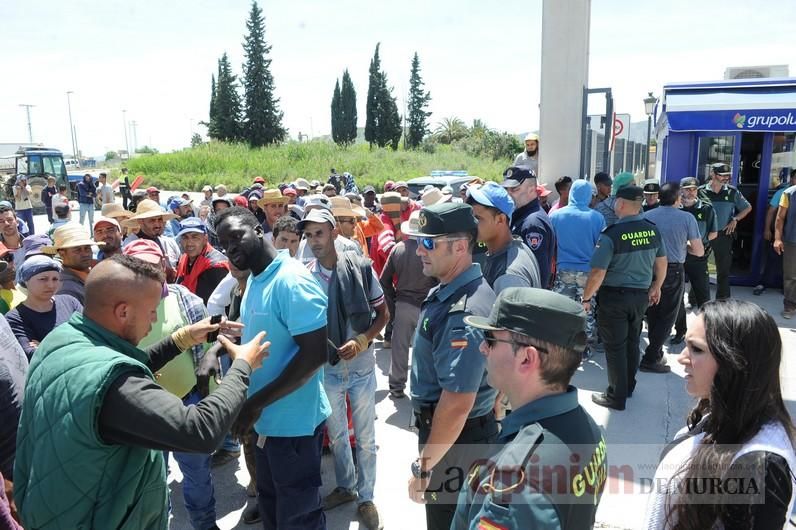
71, 125
126, 143
30, 129
134, 125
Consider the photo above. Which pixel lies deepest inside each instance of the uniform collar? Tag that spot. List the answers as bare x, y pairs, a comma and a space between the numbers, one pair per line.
630, 218
531, 207
546, 407
446, 291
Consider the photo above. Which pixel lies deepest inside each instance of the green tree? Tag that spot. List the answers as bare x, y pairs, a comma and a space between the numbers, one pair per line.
110, 155
213, 115
146, 150
196, 140
262, 123
450, 129
226, 105
372, 106
337, 115
348, 110
418, 102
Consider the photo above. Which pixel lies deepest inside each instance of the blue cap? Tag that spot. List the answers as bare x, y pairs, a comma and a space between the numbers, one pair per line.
494, 195
176, 202
191, 224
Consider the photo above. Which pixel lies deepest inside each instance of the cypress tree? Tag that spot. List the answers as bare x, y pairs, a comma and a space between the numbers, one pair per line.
348, 107
418, 102
213, 116
226, 105
337, 133
372, 107
262, 122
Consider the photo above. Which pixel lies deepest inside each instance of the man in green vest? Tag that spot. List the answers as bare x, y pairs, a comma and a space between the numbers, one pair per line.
95, 422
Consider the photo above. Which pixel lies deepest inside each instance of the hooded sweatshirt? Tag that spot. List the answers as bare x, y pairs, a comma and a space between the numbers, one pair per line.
578, 228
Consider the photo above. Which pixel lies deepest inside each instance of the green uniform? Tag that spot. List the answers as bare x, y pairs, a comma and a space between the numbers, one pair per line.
520, 487
627, 251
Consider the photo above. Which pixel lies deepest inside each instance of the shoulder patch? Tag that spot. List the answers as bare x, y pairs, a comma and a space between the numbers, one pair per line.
488, 524
534, 240
459, 306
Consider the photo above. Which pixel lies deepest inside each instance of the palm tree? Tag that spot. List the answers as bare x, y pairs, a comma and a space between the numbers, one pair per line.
450, 129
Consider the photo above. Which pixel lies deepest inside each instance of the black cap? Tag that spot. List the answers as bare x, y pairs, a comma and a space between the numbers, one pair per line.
368, 189
445, 218
651, 186
720, 168
630, 193
514, 176
539, 314
689, 182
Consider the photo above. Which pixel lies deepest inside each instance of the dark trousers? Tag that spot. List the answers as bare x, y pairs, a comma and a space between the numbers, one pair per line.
289, 481
661, 316
619, 317
696, 270
772, 267
444, 486
722, 255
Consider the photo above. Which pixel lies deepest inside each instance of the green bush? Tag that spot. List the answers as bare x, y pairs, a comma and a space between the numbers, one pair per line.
236, 165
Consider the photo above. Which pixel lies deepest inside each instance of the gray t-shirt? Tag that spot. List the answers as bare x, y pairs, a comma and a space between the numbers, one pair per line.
676, 228
513, 266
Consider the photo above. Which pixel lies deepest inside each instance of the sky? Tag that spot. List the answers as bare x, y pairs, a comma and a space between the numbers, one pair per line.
479, 59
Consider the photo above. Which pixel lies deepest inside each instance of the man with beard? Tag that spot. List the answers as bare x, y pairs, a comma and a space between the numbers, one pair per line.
11, 229
73, 245
273, 204
151, 222
529, 159
201, 267
183, 209
108, 231
287, 404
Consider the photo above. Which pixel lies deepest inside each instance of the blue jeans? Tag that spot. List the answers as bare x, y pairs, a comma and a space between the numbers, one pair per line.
197, 483
289, 482
360, 385
87, 209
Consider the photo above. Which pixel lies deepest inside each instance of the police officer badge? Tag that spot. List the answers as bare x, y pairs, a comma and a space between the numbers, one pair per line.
534, 240
422, 221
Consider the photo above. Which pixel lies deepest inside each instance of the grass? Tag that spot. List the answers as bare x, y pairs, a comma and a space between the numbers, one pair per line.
236, 165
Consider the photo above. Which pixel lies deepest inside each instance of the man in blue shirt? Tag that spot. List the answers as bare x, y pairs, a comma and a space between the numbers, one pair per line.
681, 237
452, 402
529, 220
287, 403
772, 262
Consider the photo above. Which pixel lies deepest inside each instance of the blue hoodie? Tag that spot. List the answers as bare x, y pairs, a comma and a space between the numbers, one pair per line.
578, 228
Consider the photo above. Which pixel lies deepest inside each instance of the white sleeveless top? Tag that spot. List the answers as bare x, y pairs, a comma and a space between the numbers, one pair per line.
772, 438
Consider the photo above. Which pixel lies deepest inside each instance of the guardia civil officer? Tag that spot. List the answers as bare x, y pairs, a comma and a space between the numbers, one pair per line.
533, 341
622, 269
452, 402
730, 206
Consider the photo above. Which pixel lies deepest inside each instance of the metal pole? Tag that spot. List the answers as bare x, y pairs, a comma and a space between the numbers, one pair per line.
134, 125
647, 150
584, 117
77, 153
30, 129
126, 143
71, 125
609, 130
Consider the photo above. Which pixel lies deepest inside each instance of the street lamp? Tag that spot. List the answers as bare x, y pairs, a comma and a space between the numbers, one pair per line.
71, 125
649, 108
126, 143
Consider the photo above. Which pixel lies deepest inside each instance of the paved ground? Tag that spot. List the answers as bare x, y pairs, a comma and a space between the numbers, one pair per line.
635, 437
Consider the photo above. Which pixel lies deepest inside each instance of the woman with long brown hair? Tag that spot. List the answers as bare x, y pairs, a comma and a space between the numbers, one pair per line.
733, 465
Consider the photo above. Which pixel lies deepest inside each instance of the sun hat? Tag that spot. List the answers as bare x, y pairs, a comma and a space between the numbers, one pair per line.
342, 207
207, 187
316, 201
34, 245
413, 224
272, 196
70, 235
145, 250
302, 184
433, 196
147, 209
115, 211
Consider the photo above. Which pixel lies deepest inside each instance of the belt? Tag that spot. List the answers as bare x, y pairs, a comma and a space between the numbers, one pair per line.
425, 415
674, 265
621, 290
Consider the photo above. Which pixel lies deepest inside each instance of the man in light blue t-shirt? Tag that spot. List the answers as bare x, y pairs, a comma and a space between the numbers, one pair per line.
287, 404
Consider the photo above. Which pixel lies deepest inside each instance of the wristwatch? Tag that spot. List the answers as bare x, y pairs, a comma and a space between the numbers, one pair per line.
417, 472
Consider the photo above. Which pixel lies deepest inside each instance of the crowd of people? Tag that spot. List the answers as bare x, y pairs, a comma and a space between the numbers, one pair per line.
247, 323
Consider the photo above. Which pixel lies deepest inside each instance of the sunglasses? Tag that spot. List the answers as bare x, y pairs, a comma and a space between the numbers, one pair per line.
8, 258
491, 342
430, 243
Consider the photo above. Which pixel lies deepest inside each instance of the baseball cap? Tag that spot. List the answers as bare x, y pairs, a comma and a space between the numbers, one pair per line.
207, 187
514, 176
494, 195
444, 218
319, 201
541, 191
222, 199
145, 250
242, 201
176, 202
259, 180
531, 136
689, 182
621, 180
389, 185
630, 193
289, 191
369, 189
317, 215
108, 220
537, 313
152, 189
651, 186
400, 184
191, 225
720, 168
